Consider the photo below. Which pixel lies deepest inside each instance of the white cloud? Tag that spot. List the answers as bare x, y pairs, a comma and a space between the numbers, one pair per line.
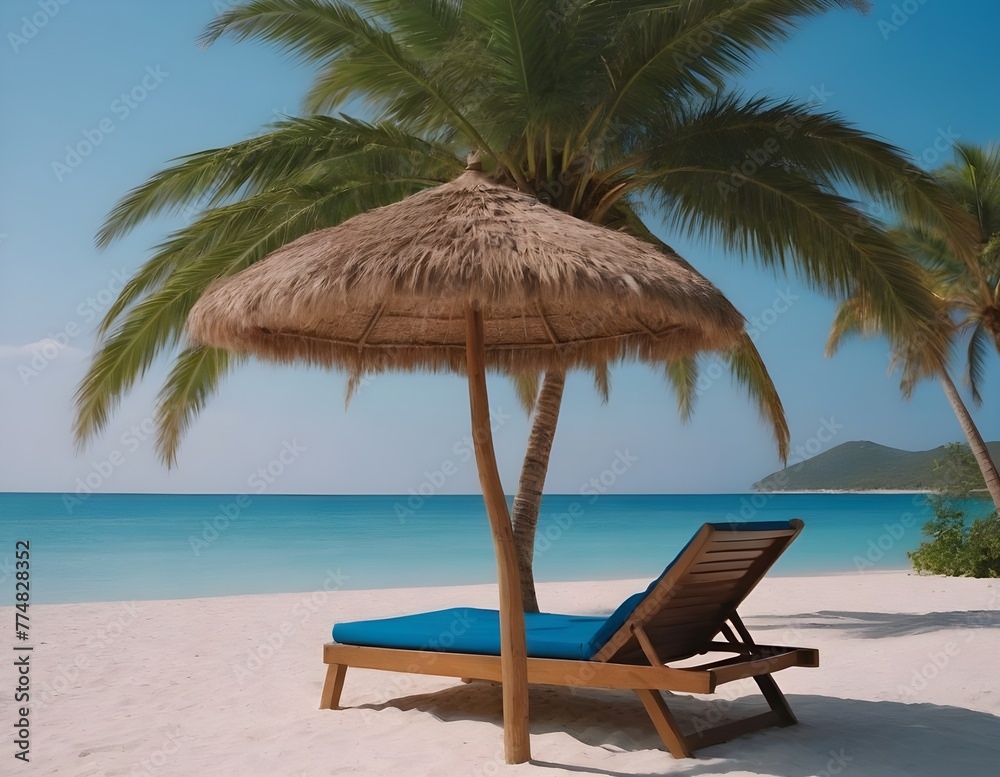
43, 351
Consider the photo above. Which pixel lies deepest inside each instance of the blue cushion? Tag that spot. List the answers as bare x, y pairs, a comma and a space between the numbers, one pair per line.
549, 635
752, 526
470, 630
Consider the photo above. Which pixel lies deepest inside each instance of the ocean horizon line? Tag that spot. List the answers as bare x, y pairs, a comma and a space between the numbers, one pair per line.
891, 491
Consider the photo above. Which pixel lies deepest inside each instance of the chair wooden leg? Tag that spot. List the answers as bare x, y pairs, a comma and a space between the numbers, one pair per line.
663, 720
332, 687
776, 699
681, 746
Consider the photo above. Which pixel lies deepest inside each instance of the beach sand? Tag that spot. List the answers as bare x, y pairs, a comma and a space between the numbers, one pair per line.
909, 685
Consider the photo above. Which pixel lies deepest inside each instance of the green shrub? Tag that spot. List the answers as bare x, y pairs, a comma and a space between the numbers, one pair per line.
984, 547
957, 549
957, 474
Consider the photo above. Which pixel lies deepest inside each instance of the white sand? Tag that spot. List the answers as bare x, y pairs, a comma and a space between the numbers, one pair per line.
230, 686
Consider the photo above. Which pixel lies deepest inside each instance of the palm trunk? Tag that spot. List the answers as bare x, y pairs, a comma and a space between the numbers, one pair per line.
975, 439
528, 502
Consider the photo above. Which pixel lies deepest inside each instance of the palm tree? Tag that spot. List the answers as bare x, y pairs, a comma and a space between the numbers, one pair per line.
599, 108
968, 288
970, 284
855, 318
746, 369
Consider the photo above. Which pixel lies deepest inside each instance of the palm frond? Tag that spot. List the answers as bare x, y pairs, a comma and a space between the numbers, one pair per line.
749, 372
125, 356
856, 317
317, 147
682, 375
426, 27
975, 372
791, 135
990, 258
311, 29
194, 378
973, 179
358, 57
851, 319
225, 240
679, 50
928, 248
780, 217
370, 179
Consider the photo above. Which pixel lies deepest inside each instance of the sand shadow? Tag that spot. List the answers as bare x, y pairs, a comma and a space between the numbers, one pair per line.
834, 736
874, 625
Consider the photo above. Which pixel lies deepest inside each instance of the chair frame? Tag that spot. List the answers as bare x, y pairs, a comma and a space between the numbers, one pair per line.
705, 584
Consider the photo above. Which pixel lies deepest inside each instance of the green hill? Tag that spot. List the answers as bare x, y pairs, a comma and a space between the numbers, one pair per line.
860, 466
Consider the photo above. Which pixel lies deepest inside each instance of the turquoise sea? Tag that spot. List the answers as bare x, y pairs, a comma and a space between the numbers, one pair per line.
110, 547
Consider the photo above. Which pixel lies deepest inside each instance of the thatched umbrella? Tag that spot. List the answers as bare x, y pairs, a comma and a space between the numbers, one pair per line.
467, 276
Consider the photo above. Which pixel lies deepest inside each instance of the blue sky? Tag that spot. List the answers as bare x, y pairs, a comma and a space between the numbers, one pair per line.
130, 79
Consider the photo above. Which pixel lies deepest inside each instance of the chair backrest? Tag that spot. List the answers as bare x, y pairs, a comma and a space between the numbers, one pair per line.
686, 607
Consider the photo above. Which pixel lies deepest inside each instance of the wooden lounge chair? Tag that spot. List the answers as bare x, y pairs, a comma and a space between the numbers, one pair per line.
681, 614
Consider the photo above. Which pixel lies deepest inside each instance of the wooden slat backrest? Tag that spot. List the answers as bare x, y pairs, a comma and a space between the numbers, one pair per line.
699, 592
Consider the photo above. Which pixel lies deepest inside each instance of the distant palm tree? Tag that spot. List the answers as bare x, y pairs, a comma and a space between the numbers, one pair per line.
968, 289
970, 284
599, 108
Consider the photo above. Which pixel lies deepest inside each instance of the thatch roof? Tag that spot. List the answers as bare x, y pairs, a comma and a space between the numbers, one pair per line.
388, 289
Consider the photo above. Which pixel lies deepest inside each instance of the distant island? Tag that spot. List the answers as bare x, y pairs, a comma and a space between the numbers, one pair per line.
863, 466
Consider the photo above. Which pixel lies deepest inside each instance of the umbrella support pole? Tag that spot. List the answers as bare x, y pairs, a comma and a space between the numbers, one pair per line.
513, 651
